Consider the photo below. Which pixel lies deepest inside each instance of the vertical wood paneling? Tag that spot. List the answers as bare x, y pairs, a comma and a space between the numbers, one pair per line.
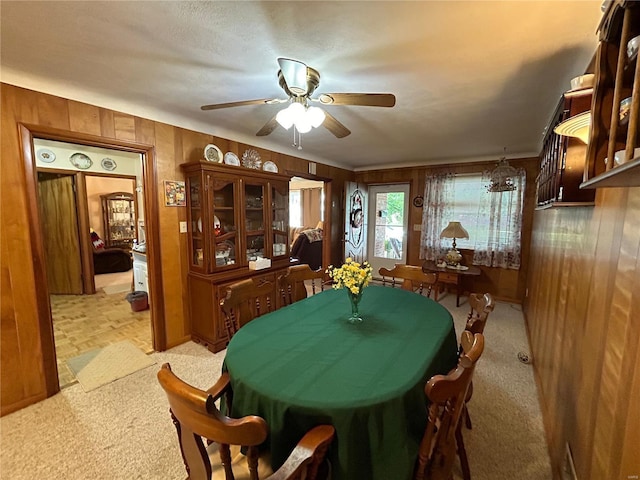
83, 118
22, 370
107, 123
20, 330
582, 317
125, 126
170, 243
53, 111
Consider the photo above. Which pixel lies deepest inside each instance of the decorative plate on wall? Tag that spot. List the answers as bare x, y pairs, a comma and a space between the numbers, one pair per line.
270, 167
418, 201
251, 159
46, 155
80, 160
231, 158
108, 164
212, 153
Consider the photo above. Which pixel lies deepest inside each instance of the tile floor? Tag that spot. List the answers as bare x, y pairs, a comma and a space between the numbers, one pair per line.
85, 322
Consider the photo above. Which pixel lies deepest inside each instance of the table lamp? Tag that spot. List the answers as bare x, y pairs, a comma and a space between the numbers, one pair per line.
454, 230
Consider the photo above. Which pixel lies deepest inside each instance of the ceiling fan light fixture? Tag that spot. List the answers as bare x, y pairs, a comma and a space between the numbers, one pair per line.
303, 125
304, 118
285, 118
316, 116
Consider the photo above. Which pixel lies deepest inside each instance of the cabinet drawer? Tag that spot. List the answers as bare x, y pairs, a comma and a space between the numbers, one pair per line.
448, 278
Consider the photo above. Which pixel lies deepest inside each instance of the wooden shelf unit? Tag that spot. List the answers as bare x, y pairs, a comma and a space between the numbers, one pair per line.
562, 159
617, 78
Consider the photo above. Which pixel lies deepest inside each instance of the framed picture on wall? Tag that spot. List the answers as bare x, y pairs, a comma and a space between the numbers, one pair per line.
174, 194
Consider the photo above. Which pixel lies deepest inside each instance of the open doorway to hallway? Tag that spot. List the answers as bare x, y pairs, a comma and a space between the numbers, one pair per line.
99, 197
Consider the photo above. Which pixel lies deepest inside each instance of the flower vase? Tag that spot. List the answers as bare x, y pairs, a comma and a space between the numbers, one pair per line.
354, 298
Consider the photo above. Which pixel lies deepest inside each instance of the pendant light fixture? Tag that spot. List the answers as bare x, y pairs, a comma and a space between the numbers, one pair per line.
502, 177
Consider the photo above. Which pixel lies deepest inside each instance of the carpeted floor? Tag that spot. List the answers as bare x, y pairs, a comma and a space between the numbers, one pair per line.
123, 430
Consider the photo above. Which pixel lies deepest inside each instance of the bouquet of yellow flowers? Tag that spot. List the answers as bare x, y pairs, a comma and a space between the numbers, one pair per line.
351, 275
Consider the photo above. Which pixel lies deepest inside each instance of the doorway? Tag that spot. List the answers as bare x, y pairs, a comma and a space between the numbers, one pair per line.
307, 204
388, 225
153, 324
94, 313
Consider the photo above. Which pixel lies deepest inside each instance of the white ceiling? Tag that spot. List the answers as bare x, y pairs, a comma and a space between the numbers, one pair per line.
470, 77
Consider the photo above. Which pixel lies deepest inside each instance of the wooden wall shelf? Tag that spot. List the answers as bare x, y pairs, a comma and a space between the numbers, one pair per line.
617, 78
625, 175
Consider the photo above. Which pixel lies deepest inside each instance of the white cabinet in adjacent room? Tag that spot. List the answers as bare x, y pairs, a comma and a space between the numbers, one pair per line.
140, 275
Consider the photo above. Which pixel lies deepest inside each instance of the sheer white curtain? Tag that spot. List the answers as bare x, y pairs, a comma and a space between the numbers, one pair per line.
436, 214
500, 222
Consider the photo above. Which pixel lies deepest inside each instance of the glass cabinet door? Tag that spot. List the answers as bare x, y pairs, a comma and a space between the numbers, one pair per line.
223, 226
254, 194
119, 215
280, 218
196, 214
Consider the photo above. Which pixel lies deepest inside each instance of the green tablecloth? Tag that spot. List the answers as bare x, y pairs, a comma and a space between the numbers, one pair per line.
304, 365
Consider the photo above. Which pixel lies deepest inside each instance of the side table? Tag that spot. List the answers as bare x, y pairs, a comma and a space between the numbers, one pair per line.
451, 276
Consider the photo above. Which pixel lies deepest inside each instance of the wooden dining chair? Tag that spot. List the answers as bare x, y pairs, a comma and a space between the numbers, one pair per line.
442, 438
246, 300
197, 419
409, 277
481, 306
293, 284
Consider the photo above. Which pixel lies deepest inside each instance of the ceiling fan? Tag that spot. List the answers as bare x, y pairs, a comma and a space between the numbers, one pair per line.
300, 81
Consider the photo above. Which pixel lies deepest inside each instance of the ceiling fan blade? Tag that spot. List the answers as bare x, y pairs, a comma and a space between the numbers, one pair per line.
334, 126
362, 99
263, 101
268, 127
295, 75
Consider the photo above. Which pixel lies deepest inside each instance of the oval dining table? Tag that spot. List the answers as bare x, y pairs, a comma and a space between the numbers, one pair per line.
305, 365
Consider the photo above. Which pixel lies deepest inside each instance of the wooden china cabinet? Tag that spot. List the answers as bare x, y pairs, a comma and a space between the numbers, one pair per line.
119, 219
235, 215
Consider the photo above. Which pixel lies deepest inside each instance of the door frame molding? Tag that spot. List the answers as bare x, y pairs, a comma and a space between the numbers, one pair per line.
27, 133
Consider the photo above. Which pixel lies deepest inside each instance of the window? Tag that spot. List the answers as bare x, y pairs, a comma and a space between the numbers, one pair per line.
295, 210
493, 220
466, 203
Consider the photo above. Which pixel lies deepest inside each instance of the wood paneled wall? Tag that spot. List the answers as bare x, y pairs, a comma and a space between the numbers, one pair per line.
505, 284
22, 368
583, 316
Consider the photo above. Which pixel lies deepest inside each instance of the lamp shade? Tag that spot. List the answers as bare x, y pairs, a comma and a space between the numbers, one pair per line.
454, 230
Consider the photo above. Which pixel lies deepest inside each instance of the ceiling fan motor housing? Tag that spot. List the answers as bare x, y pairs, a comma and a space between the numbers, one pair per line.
313, 80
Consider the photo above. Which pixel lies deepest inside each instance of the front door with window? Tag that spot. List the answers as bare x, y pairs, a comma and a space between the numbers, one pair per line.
388, 217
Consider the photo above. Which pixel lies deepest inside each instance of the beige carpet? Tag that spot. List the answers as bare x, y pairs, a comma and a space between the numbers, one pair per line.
99, 367
123, 430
